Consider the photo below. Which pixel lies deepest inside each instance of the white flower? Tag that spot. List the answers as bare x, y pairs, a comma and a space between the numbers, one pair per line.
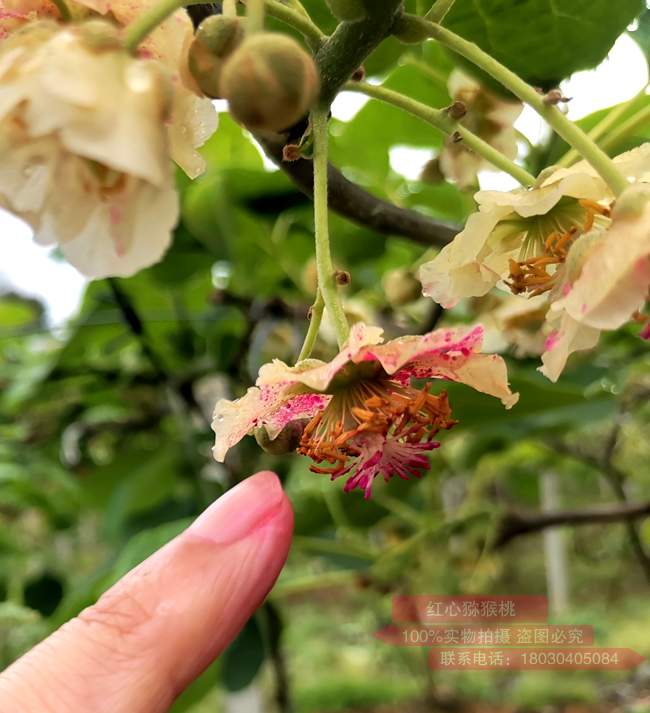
85, 159
193, 118
489, 117
607, 281
566, 238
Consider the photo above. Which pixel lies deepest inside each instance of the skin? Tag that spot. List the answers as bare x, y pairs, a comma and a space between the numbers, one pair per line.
158, 628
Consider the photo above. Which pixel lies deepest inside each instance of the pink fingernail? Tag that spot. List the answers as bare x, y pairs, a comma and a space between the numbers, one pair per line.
242, 510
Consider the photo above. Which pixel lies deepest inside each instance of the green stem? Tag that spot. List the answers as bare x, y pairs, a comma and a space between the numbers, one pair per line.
626, 128
148, 21
324, 266
63, 9
298, 20
602, 127
440, 119
255, 10
565, 128
315, 317
439, 10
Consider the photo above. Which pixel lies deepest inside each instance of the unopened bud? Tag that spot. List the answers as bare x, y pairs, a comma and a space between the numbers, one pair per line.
216, 39
285, 442
270, 82
401, 287
347, 10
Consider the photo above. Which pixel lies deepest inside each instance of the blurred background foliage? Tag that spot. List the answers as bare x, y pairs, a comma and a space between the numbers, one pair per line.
105, 438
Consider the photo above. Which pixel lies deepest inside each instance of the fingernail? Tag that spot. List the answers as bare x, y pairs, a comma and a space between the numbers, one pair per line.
241, 510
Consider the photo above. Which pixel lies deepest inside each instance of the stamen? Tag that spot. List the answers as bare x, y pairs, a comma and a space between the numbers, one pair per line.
408, 418
532, 276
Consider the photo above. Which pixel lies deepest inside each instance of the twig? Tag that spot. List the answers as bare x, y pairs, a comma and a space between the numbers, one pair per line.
358, 205
616, 479
514, 524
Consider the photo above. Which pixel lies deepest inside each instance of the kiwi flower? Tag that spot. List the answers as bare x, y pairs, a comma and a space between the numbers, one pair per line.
359, 415
605, 283
488, 116
536, 242
88, 132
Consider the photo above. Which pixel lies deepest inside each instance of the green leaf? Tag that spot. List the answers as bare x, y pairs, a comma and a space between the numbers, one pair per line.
18, 313
543, 41
244, 657
364, 142
542, 406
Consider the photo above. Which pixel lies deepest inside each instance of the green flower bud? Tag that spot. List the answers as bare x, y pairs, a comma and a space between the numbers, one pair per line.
401, 287
216, 39
347, 10
270, 82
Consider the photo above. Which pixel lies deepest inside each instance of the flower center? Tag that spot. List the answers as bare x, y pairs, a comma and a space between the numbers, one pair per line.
385, 410
537, 274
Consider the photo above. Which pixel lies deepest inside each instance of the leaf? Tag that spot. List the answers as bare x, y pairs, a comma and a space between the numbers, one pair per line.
364, 143
18, 313
542, 406
244, 657
543, 41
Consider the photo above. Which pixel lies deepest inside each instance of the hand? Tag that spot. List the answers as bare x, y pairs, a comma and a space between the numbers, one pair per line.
152, 634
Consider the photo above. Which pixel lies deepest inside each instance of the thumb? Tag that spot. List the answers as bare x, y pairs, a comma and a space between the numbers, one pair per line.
153, 632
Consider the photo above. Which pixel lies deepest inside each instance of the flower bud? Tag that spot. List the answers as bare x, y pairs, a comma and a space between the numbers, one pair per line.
216, 39
401, 287
347, 10
285, 442
270, 82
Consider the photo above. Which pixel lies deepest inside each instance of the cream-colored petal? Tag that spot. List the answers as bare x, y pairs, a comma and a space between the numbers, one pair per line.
465, 267
315, 374
125, 233
567, 336
233, 420
615, 278
488, 374
192, 123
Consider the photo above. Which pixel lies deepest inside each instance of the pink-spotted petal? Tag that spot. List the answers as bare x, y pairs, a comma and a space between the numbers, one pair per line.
315, 374
235, 419
419, 356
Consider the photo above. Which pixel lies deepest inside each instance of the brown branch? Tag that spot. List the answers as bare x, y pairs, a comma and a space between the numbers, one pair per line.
515, 524
358, 205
